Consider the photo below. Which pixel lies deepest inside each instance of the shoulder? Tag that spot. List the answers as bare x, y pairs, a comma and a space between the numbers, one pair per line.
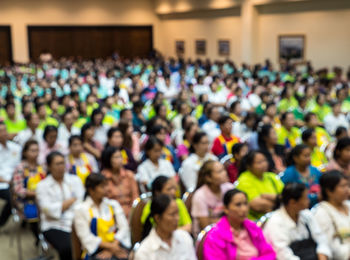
183, 236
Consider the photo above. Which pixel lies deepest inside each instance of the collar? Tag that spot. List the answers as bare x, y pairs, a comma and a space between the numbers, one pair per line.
157, 242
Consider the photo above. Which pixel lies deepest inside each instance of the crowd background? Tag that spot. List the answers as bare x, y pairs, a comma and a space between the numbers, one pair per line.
238, 140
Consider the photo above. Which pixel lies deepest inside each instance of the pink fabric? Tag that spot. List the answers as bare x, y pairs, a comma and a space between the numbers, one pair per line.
220, 244
245, 247
182, 150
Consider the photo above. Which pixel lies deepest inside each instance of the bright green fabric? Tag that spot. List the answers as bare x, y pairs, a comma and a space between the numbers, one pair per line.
288, 138
14, 127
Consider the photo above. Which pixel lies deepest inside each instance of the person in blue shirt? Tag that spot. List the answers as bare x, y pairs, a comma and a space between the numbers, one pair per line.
300, 170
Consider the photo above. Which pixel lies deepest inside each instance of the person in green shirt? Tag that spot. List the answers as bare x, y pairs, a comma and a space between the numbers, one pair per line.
167, 186
288, 101
321, 109
300, 111
322, 136
288, 135
45, 120
13, 123
262, 187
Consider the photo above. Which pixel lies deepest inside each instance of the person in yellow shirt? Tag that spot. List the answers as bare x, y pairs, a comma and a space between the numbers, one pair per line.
322, 136
288, 135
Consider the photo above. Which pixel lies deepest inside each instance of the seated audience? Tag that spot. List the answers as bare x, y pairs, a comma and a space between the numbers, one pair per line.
318, 157
90, 145
239, 150
234, 236
165, 240
50, 144
341, 157
292, 229
58, 195
288, 135
100, 223
262, 187
31, 132
333, 213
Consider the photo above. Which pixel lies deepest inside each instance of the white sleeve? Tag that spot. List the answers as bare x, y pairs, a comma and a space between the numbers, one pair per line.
142, 175
123, 233
48, 206
187, 175
79, 190
170, 169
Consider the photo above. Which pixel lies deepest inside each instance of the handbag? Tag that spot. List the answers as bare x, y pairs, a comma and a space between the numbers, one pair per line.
305, 248
30, 211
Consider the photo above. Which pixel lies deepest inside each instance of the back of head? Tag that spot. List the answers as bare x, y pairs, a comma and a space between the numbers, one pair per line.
292, 191
328, 182
158, 184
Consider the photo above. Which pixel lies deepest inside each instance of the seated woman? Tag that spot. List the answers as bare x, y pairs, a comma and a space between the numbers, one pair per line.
168, 186
57, 196
115, 138
100, 223
300, 170
200, 153
275, 153
90, 145
234, 236
130, 138
262, 187
333, 213
318, 158
341, 157
212, 184
292, 229
121, 183
183, 150
80, 163
165, 240
154, 165
101, 129
239, 150
26, 177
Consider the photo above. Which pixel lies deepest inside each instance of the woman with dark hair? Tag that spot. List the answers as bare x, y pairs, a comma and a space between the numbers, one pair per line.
154, 165
207, 204
239, 150
262, 187
301, 171
121, 183
100, 223
275, 153
200, 153
288, 135
183, 149
340, 133
341, 157
100, 134
165, 240
292, 230
130, 138
333, 213
167, 186
50, 144
318, 158
57, 196
288, 101
90, 145
234, 236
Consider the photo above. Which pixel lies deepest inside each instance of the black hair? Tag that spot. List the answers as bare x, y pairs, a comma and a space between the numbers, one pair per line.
237, 147
48, 129
296, 151
93, 180
230, 194
329, 181
340, 130
96, 112
73, 138
308, 116
8, 104
264, 132
234, 104
85, 127
248, 160
284, 116
292, 191
107, 155
341, 145
157, 129
151, 142
196, 139
203, 172
123, 111
307, 134
158, 184
26, 146
223, 119
68, 111
52, 156
159, 205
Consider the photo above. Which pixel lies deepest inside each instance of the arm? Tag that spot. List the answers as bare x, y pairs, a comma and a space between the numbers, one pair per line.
261, 204
213, 249
18, 180
49, 206
123, 234
89, 148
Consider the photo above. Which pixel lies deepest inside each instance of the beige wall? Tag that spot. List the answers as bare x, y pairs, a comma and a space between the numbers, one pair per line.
20, 13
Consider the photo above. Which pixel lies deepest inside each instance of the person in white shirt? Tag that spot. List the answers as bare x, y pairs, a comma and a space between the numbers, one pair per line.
333, 213
100, 223
154, 165
335, 119
10, 157
165, 241
58, 195
100, 128
66, 129
31, 132
211, 127
191, 165
292, 230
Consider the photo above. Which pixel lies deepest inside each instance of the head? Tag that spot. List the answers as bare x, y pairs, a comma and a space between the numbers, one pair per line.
311, 120
56, 165
295, 196
236, 206
239, 150
200, 144
30, 151
299, 156
112, 158
50, 135
225, 123
75, 145
255, 162
159, 132
342, 150
68, 118
336, 108
190, 130
87, 132
267, 136
271, 109
212, 173
288, 120
97, 117
309, 138
115, 137
334, 187
341, 132
10, 110
214, 114
32, 120
164, 185
95, 186
236, 108
153, 148
126, 114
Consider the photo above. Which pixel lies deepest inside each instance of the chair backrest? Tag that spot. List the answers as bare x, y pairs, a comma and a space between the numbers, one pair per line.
187, 199
136, 227
263, 220
200, 241
76, 245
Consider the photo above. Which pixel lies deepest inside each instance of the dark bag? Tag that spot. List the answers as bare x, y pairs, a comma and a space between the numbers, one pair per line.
306, 248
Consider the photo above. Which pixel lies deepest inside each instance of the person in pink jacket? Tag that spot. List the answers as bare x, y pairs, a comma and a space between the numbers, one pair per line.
234, 236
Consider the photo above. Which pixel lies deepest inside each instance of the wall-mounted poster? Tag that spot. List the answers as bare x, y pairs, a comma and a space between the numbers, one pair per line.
224, 47
201, 47
291, 47
180, 47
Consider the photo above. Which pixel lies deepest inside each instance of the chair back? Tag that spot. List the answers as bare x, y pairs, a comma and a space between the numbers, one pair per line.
187, 199
200, 241
136, 227
263, 220
76, 245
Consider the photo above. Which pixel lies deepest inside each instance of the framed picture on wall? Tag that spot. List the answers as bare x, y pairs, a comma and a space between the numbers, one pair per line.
224, 47
180, 47
201, 47
291, 47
